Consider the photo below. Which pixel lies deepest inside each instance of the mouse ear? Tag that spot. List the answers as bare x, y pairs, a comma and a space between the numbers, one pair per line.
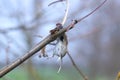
59, 25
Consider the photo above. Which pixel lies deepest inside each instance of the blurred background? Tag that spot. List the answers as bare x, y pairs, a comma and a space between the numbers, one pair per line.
94, 44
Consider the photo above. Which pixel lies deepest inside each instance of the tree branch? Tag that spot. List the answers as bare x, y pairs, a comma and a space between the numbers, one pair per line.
38, 47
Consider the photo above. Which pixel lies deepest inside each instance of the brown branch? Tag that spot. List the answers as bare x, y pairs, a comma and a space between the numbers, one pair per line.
37, 48
76, 67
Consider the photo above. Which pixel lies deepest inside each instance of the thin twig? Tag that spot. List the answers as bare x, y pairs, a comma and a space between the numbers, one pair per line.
76, 67
92, 11
66, 13
7, 53
79, 20
55, 2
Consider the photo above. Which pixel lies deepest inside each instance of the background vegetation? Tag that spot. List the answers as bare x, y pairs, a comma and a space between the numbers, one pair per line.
94, 44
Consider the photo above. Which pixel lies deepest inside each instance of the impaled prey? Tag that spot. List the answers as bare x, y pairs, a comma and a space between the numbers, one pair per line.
60, 49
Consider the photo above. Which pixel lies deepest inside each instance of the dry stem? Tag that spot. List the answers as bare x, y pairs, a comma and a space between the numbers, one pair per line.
76, 67
66, 12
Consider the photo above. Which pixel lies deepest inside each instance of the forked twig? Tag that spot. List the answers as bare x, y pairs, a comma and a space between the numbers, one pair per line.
76, 67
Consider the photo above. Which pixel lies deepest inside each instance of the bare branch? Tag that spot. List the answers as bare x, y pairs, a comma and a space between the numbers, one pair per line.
38, 47
80, 72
